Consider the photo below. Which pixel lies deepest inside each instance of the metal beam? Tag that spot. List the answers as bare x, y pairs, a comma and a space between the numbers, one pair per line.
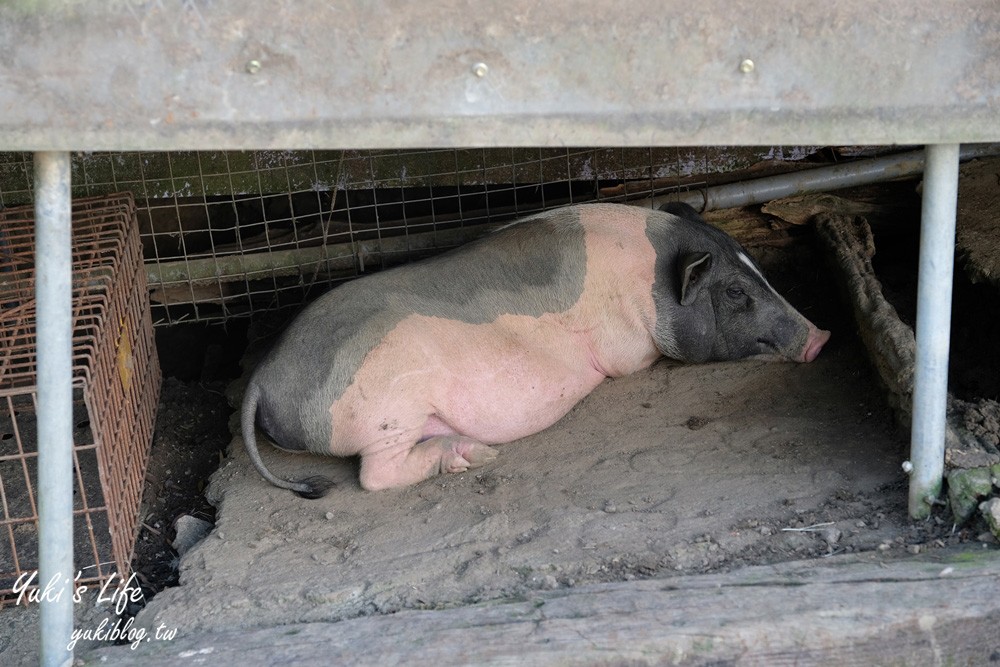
933, 332
53, 288
230, 74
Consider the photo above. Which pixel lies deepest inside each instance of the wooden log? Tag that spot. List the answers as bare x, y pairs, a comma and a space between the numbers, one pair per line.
937, 608
800, 210
890, 342
892, 349
330, 258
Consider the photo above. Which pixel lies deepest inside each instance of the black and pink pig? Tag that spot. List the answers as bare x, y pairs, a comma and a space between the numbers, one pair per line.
420, 369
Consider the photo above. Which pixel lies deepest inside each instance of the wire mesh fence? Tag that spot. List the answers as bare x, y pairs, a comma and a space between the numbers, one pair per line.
230, 234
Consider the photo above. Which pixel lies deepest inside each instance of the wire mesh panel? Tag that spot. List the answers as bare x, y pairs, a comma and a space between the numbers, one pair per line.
116, 382
230, 234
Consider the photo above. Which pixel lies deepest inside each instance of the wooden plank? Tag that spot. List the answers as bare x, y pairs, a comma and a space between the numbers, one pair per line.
939, 608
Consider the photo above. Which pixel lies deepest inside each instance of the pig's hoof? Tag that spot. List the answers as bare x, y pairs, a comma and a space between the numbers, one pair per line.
455, 464
465, 455
479, 455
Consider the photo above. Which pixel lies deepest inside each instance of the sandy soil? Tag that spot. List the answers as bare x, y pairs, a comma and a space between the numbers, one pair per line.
675, 469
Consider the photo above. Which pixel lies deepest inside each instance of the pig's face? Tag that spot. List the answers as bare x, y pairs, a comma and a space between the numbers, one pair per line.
713, 302
738, 314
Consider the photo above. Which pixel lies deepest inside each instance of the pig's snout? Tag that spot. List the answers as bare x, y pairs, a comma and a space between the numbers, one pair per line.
814, 343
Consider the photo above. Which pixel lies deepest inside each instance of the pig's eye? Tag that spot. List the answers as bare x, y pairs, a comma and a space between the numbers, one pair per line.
735, 292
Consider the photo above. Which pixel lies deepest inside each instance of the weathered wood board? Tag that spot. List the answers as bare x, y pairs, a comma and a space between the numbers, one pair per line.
854, 610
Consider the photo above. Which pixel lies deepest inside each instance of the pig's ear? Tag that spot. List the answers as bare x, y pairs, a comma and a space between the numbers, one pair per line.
693, 268
682, 210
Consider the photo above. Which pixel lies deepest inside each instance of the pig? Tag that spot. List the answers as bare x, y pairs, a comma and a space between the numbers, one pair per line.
419, 369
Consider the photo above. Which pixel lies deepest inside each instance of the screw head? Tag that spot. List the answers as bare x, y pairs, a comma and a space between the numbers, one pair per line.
747, 66
480, 70
907, 467
253, 66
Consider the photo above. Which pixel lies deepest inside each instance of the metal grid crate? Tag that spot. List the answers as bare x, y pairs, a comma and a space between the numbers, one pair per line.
116, 384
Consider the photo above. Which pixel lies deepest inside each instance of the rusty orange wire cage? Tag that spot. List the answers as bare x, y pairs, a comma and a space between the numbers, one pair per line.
116, 385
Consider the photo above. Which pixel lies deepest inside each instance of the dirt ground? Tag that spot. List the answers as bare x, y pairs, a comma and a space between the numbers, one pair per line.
679, 469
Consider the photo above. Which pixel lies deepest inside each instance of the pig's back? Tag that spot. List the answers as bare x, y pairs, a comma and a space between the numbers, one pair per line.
533, 267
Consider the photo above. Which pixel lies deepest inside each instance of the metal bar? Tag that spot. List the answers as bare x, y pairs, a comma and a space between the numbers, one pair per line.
930, 392
847, 175
53, 287
513, 73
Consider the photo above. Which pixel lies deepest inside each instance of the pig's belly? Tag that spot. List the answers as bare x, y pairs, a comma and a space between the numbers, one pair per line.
493, 382
518, 397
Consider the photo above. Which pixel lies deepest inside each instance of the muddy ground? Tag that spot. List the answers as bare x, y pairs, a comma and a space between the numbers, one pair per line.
676, 469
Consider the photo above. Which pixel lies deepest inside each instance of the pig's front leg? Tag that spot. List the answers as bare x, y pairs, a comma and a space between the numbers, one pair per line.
394, 467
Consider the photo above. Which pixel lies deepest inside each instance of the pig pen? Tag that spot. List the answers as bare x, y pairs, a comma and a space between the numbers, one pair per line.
739, 504
147, 77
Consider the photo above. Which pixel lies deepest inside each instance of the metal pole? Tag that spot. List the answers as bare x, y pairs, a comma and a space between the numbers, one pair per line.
930, 391
53, 289
821, 179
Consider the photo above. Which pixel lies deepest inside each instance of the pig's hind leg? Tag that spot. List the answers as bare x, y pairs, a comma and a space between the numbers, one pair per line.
390, 467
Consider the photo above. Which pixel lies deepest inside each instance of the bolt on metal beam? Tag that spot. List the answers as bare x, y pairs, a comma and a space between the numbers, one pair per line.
53, 288
933, 331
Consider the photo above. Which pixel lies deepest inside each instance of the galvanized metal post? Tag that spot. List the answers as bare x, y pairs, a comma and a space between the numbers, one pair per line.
930, 391
53, 288
820, 179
